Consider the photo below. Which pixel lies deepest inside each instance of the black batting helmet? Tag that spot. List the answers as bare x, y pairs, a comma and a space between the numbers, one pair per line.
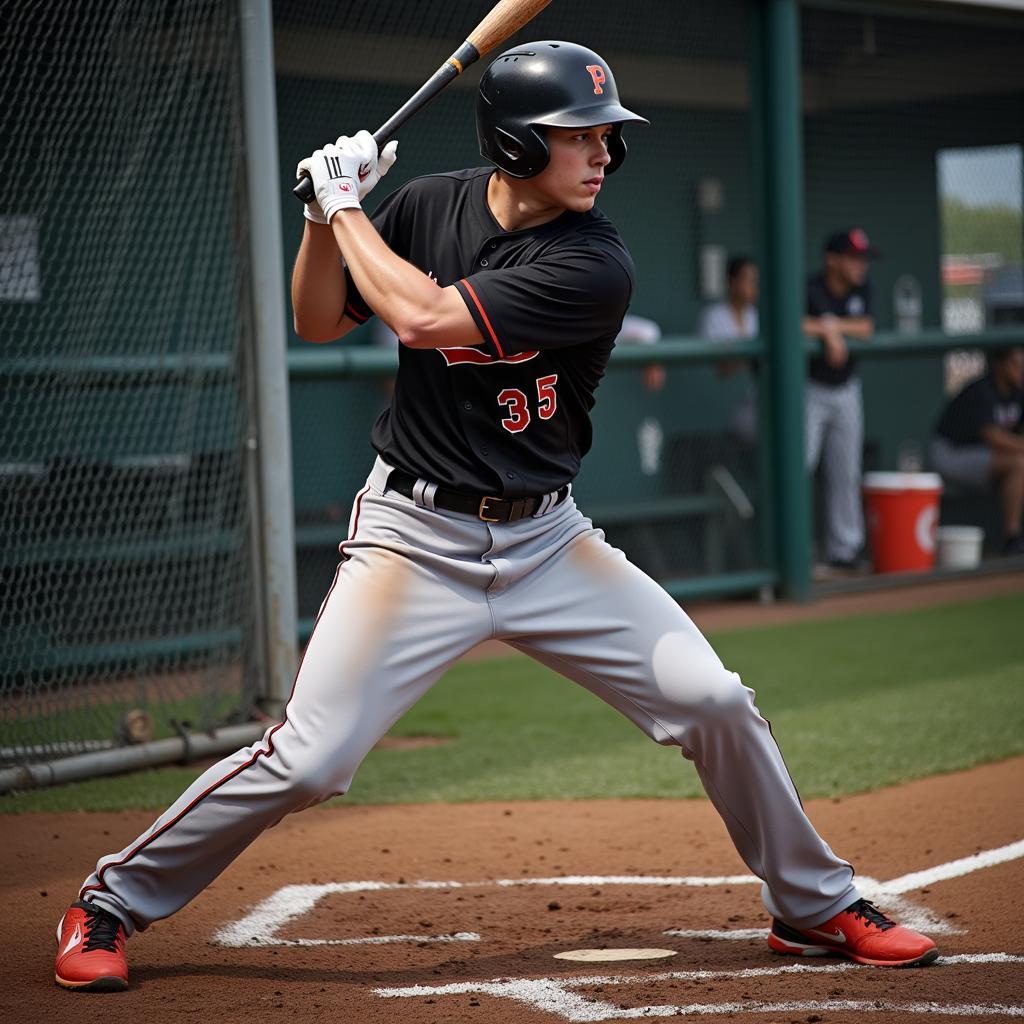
547, 84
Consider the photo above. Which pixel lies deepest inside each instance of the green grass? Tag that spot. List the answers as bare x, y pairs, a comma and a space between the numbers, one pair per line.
855, 703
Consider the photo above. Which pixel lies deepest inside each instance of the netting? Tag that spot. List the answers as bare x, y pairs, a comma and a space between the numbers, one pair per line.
913, 131
124, 545
683, 202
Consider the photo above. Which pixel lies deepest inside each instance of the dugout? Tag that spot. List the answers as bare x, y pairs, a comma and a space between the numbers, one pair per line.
885, 91
139, 537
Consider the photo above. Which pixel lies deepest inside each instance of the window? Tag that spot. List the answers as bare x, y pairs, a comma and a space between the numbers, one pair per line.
981, 194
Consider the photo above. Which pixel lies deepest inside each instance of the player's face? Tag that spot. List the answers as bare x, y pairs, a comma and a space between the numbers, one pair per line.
854, 268
575, 171
744, 285
1014, 368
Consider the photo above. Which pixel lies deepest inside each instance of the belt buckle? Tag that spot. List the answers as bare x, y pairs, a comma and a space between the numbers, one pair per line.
483, 507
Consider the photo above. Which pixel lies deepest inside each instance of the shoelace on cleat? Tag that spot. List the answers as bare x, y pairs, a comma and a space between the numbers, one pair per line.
102, 930
871, 915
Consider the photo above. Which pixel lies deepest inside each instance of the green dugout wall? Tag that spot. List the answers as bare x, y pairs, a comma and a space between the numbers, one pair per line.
880, 95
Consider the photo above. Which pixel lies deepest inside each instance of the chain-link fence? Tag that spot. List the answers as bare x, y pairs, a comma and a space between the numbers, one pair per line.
125, 584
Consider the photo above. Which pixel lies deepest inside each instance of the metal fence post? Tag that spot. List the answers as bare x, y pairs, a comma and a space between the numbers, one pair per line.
276, 527
778, 153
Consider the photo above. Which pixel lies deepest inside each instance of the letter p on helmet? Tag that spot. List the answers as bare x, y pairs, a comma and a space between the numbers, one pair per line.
598, 75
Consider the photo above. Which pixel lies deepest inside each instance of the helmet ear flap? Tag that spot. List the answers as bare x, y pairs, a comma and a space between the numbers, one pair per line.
522, 158
616, 150
539, 152
509, 144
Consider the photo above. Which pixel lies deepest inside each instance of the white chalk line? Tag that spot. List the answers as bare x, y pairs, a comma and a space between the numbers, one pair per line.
729, 935
374, 940
556, 995
260, 926
955, 868
595, 1013
582, 980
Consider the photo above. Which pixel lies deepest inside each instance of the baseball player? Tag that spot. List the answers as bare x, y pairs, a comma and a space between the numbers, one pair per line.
506, 287
839, 307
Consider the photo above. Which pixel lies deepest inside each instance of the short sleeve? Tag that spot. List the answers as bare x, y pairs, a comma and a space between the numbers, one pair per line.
387, 219
569, 297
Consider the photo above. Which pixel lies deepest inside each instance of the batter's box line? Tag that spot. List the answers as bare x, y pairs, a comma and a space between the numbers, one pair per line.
372, 940
260, 926
556, 995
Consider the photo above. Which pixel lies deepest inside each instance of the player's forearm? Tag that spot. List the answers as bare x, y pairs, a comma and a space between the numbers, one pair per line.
1000, 440
862, 327
319, 290
422, 314
394, 289
812, 326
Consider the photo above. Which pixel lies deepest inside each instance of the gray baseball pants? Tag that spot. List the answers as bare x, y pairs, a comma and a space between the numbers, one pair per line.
835, 435
416, 589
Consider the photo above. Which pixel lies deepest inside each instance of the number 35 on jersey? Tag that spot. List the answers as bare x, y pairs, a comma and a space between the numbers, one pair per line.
516, 404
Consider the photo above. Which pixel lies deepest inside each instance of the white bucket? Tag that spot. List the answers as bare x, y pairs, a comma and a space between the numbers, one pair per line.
959, 547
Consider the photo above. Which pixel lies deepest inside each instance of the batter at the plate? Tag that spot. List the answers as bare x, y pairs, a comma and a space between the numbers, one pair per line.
506, 287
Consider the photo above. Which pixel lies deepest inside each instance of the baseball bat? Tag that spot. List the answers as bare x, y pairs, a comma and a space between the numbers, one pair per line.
504, 18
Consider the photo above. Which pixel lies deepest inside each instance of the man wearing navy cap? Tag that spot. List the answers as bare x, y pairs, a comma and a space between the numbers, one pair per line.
839, 307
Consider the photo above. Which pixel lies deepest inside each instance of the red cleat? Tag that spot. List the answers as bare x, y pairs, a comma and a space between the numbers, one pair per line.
861, 933
90, 950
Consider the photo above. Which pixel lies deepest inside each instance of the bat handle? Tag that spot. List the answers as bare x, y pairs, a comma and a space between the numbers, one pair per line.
303, 191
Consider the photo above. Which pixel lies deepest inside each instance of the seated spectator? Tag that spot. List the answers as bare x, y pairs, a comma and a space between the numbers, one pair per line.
733, 320
978, 439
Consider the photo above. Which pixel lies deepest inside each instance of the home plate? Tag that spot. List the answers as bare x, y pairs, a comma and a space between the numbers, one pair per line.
603, 955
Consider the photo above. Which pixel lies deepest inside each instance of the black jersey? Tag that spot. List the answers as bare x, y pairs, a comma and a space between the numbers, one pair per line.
510, 418
820, 300
979, 405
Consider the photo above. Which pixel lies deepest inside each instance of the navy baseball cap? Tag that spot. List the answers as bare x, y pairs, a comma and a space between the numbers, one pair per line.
851, 240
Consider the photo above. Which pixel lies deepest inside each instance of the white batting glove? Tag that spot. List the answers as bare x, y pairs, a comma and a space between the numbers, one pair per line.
311, 210
344, 173
363, 142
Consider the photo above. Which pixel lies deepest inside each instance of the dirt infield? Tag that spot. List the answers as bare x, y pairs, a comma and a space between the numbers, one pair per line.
516, 883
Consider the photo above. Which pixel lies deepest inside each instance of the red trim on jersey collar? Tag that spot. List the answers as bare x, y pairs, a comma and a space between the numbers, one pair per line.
487, 323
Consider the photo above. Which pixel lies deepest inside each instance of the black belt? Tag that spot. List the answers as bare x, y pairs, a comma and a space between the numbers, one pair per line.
490, 510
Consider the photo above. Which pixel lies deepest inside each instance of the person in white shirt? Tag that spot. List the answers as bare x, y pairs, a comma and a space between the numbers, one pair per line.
639, 330
736, 319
